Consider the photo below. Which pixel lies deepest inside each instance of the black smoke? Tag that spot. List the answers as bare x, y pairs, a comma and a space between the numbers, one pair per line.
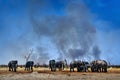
96, 52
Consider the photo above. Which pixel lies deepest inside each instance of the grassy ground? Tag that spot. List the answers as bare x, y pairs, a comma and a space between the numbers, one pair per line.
46, 74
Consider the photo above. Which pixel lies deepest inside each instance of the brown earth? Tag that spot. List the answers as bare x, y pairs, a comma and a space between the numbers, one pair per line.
46, 74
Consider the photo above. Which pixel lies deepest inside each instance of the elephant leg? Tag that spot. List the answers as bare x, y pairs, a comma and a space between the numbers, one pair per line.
29, 68
14, 69
84, 70
77, 69
96, 69
54, 69
73, 69
99, 69
70, 69
63, 67
105, 69
92, 69
9, 68
32, 68
59, 69
102, 70
51, 69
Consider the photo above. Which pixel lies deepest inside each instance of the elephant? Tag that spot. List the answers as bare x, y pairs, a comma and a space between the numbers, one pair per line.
52, 65
57, 64
29, 65
60, 65
80, 65
73, 65
12, 65
94, 66
99, 66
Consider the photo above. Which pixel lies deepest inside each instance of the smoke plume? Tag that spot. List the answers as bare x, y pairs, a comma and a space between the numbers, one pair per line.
72, 33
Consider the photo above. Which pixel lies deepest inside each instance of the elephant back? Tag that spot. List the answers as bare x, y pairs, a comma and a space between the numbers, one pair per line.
30, 63
51, 62
12, 62
101, 62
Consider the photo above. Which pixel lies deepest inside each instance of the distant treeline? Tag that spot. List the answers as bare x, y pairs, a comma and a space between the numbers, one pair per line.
114, 66
45, 65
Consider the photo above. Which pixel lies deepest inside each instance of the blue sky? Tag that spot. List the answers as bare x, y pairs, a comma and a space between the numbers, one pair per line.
17, 35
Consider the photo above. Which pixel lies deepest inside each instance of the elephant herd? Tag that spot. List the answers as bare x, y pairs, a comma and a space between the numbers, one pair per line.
82, 66
14, 63
99, 66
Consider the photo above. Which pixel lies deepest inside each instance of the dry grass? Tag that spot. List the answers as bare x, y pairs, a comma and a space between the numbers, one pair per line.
46, 74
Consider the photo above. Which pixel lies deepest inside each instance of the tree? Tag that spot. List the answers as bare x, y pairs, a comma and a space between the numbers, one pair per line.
28, 55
